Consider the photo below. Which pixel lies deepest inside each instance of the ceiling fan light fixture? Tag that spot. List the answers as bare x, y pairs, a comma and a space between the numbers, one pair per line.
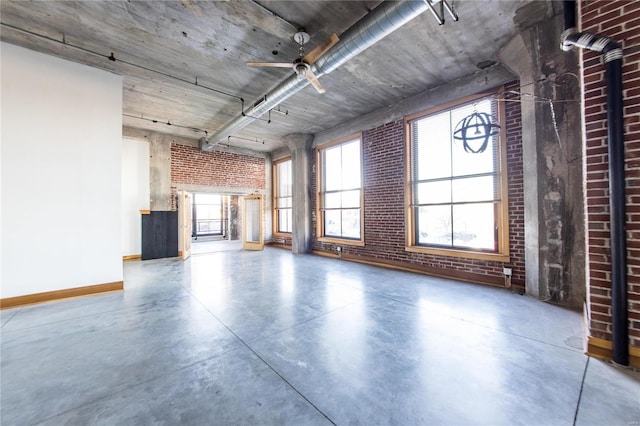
302, 64
301, 70
301, 37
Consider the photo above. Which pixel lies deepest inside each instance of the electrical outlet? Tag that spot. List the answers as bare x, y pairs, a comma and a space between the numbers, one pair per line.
506, 272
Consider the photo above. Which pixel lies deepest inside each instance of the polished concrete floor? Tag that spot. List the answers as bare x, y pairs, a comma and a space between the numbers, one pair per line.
236, 337
204, 245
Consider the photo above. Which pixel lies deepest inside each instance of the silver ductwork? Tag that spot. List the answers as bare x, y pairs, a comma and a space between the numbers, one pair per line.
380, 22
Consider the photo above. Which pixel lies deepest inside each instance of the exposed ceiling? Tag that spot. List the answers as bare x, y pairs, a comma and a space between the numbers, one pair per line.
162, 48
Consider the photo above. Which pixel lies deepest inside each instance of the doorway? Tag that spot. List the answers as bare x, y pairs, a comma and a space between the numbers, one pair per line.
208, 216
215, 221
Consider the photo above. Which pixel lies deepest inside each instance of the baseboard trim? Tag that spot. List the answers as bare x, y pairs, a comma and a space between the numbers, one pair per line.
282, 246
435, 272
132, 257
325, 254
603, 349
49, 296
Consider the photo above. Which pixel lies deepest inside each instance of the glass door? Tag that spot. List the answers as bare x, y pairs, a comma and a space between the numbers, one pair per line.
252, 238
184, 220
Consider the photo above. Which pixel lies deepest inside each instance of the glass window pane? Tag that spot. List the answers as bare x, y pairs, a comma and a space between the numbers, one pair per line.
284, 202
473, 226
284, 220
208, 199
473, 189
351, 223
205, 211
284, 178
332, 169
252, 220
350, 199
444, 173
467, 163
351, 165
332, 223
342, 174
434, 225
432, 136
332, 200
434, 192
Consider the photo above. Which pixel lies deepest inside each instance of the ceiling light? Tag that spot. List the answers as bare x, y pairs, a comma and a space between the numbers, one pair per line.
301, 70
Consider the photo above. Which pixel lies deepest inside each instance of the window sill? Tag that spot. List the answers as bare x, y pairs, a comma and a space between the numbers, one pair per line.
357, 243
494, 257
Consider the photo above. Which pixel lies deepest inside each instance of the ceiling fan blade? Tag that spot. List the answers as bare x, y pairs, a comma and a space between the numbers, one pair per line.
314, 81
320, 50
270, 64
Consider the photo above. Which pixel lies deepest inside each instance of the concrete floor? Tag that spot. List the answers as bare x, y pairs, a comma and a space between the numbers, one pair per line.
205, 245
238, 337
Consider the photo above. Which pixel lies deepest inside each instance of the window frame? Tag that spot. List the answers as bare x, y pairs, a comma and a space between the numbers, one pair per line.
320, 231
194, 215
276, 218
502, 209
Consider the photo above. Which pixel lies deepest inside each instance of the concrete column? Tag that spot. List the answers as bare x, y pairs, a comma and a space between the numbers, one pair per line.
301, 162
159, 172
555, 241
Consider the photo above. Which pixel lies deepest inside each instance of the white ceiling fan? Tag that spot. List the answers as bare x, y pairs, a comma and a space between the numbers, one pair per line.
302, 64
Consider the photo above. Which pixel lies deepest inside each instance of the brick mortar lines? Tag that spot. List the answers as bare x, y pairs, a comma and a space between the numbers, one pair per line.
384, 209
191, 166
620, 22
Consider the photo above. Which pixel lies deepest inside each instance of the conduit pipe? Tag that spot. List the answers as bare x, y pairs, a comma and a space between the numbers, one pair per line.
373, 27
615, 134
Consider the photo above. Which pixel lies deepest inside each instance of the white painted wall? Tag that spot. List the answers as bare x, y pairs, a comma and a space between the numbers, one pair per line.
135, 193
61, 143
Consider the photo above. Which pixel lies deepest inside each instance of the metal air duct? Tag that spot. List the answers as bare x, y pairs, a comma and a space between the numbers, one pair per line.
380, 22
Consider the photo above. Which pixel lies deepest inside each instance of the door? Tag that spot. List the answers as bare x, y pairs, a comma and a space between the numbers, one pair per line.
252, 238
185, 224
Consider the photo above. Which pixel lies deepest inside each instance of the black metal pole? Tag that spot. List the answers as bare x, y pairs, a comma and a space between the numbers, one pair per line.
619, 309
617, 199
569, 14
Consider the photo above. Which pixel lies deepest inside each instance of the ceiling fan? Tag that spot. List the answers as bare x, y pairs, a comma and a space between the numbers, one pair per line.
302, 64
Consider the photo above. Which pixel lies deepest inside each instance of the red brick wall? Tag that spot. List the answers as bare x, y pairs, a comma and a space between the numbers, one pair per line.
515, 175
191, 166
620, 20
384, 206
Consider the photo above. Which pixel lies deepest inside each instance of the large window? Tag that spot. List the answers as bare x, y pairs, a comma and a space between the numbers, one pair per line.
283, 196
458, 195
340, 191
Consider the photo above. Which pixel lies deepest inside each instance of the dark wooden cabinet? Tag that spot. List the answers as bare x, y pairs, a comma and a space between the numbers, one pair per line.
159, 235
